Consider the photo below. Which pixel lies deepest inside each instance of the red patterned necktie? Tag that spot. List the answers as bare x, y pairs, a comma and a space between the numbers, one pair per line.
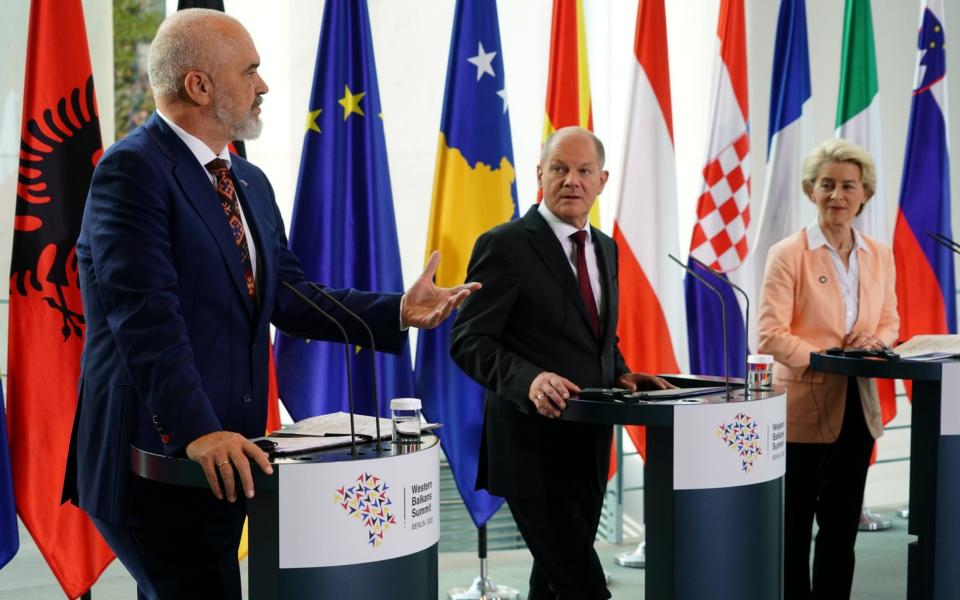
231, 208
586, 290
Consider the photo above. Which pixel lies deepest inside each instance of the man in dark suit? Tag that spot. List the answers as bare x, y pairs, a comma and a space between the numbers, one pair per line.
183, 264
544, 326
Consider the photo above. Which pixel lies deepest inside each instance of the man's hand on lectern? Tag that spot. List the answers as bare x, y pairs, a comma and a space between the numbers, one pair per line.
219, 453
642, 381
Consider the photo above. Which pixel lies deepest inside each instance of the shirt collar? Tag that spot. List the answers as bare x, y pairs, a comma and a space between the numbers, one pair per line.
200, 150
560, 228
816, 238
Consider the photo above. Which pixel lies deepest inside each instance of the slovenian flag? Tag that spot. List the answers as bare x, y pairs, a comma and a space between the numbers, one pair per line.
723, 209
474, 189
790, 134
651, 326
925, 279
343, 227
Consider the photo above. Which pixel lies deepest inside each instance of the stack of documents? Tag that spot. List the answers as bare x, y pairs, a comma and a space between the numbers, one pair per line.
330, 431
930, 347
326, 431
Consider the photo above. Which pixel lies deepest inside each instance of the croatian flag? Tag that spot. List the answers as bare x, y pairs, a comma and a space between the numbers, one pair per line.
723, 209
789, 138
925, 280
651, 326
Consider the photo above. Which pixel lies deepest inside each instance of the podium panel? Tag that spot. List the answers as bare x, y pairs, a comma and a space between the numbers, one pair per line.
934, 466
331, 525
713, 490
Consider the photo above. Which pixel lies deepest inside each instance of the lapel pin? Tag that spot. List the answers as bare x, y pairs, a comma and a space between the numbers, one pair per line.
823, 279
243, 182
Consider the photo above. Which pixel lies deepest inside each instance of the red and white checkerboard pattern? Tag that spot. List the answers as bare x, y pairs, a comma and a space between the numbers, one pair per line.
723, 210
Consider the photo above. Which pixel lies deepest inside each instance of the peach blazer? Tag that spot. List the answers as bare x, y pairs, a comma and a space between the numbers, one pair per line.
801, 311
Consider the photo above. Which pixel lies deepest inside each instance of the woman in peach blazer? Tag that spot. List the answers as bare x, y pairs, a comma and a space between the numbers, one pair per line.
827, 285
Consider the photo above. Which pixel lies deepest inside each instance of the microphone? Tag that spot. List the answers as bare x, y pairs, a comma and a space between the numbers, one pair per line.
723, 318
346, 353
945, 242
373, 349
746, 316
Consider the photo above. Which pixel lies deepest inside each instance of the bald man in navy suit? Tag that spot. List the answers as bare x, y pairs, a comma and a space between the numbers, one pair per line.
183, 265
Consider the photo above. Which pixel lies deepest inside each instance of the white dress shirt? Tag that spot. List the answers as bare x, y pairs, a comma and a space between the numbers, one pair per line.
848, 276
204, 155
563, 231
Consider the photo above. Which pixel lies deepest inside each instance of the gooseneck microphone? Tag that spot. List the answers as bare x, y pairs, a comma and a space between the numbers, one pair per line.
746, 316
723, 318
945, 242
373, 349
346, 352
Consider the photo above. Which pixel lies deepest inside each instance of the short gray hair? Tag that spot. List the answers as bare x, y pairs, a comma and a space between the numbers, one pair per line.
564, 131
186, 40
840, 150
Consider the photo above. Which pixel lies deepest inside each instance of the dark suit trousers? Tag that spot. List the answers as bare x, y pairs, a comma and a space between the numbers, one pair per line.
560, 533
826, 481
179, 542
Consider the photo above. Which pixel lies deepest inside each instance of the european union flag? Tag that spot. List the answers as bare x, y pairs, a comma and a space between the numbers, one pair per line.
9, 536
474, 189
343, 228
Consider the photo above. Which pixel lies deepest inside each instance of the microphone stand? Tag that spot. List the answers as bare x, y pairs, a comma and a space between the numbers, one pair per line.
723, 318
945, 242
746, 320
346, 352
373, 349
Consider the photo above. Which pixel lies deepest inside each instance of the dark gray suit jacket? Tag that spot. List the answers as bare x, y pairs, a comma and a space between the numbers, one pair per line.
528, 318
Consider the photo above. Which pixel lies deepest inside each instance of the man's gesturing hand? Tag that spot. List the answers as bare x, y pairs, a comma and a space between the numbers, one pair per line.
425, 305
549, 393
219, 453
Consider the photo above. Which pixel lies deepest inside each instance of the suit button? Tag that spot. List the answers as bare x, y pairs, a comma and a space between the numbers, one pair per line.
247, 398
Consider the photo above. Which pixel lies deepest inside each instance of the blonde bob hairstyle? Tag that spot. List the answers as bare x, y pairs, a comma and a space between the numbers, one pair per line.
840, 150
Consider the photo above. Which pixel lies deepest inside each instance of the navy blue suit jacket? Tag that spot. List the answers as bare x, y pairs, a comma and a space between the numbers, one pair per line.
174, 347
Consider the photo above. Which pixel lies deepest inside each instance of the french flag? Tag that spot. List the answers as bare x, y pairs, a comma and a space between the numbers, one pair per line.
723, 209
651, 326
790, 136
925, 280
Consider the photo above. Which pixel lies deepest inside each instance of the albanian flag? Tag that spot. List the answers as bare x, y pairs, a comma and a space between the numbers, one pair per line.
60, 144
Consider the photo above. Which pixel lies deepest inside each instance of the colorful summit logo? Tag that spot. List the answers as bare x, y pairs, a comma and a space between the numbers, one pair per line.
368, 503
741, 436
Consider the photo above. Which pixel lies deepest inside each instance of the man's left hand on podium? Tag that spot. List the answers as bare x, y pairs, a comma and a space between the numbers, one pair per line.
642, 381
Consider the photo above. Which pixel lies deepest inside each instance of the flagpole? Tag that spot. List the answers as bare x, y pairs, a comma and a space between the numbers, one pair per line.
482, 587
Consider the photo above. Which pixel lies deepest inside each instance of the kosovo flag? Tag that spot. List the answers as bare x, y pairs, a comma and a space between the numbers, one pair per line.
474, 189
343, 228
9, 536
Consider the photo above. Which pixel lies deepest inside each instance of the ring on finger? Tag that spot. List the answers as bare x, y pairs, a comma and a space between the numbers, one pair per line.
223, 462
540, 396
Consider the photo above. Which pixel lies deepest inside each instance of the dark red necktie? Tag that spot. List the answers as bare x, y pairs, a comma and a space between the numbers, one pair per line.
586, 290
226, 192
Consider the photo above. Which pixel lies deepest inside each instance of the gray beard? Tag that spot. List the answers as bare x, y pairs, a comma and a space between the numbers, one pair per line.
245, 129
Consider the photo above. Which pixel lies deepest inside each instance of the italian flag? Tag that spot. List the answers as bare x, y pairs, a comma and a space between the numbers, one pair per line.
858, 121
858, 106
